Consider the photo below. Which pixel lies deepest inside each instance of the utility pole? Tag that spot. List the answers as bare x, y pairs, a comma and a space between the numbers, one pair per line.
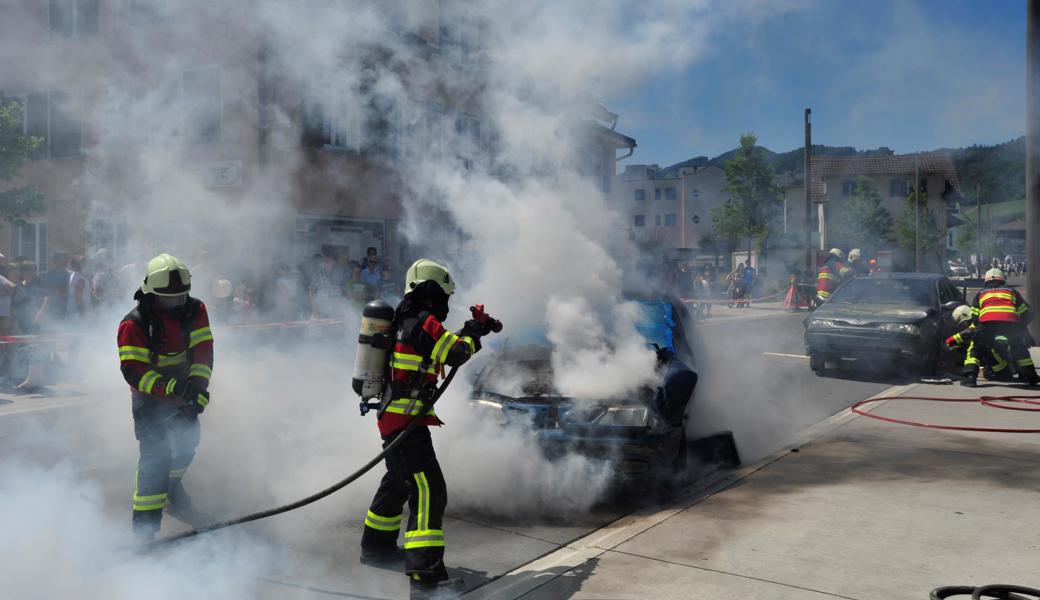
917, 213
809, 266
682, 210
1033, 158
978, 230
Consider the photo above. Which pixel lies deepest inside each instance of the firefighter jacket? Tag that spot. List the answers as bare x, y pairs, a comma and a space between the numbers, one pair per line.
829, 277
156, 349
1000, 303
962, 338
422, 347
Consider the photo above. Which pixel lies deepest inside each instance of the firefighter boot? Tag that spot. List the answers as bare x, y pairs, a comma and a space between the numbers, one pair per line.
146, 524
1028, 376
435, 588
385, 558
970, 380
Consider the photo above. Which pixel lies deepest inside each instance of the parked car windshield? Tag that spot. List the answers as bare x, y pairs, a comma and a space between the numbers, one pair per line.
904, 292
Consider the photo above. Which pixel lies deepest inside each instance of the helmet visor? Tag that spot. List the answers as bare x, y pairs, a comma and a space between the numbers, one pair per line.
171, 302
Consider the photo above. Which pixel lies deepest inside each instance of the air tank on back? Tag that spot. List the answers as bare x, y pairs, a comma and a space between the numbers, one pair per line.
373, 350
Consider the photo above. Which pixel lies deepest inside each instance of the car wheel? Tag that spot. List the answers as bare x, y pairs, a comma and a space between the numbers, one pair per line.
818, 363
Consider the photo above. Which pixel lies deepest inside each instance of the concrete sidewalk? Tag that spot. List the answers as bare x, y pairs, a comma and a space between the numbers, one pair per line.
857, 508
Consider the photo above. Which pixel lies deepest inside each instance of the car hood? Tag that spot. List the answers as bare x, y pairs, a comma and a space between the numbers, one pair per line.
865, 314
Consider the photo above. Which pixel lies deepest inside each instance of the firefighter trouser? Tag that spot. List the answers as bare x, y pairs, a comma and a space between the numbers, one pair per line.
412, 474
984, 343
167, 441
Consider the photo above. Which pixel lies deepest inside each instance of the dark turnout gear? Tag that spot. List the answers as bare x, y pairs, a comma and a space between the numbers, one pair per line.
1000, 311
421, 350
977, 354
829, 277
167, 359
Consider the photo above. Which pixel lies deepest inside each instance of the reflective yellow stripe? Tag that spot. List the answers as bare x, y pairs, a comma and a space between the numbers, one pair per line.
153, 502
1005, 295
148, 381
999, 309
382, 523
443, 346
1022, 308
178, 473
469, 342
202, 400
823, 294
423, 515
400, 407
203, 334
423, 538
825, 276
170, 384
969, 356
168, 360
1024, 362
200, 370
135, 353
408, 362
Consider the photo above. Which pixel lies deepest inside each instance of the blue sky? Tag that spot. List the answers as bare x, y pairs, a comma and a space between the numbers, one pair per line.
908, 74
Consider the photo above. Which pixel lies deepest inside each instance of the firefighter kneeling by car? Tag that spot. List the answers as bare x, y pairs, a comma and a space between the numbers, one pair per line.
421, 349
999, 310
995, 366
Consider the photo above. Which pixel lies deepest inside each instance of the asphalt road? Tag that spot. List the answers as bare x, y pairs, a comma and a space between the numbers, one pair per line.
755, 382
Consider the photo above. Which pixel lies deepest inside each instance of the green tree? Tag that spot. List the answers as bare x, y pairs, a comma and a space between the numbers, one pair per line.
932, 235
753, 196
16, 202
862, 220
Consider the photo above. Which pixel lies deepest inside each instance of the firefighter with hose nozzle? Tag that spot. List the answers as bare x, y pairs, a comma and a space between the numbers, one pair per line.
166, 355
999, 310
419, 347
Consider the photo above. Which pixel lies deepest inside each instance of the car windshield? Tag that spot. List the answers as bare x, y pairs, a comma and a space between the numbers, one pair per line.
905, 292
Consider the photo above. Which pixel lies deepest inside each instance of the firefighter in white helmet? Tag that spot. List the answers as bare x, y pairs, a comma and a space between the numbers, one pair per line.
999, 311
829, 275
856, 266
166, 356
422, 347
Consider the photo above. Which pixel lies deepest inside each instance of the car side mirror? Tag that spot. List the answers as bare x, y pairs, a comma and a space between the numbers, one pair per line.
951, 305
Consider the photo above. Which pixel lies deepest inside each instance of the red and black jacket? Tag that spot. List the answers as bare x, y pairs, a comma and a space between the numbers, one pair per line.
156, 350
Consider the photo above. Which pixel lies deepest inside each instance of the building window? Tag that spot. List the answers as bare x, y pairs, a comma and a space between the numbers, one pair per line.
72, 17
55, 117
201, 93
32, 243
846, 188
146, 12
334, 123
657, 220
639, 220
657, 193
640, 195
898, 187
669, 220
669, 193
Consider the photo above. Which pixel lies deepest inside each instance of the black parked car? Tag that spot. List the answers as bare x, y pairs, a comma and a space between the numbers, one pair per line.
643, 433
885, 320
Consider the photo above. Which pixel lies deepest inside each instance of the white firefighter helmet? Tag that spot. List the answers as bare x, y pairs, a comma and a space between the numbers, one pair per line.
836, 252
995, 274
166, 275
222, 288
962, 314
854, 254
425, 269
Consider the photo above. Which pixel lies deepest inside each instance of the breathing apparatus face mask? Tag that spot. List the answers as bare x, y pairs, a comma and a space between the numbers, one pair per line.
171, 304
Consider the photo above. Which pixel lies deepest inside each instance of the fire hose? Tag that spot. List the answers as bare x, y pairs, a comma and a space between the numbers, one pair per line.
1000, 590
318, 495
990, 401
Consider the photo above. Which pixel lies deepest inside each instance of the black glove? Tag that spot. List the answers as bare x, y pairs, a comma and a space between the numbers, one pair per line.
192, 410
189, 388
476, 329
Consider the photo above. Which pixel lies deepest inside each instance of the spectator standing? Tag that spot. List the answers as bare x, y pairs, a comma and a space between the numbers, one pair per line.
706, 292
30, 308
749, 282
103, 283
78, 293
326, 289
371, 276
389, 289
7, 290
356, 290
57, 283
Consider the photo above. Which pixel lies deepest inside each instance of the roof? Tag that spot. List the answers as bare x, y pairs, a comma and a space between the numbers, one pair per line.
618, 140
931, 163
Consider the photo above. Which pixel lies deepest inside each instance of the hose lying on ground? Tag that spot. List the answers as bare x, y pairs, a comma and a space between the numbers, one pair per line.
1000, 590
319, 495
984, 400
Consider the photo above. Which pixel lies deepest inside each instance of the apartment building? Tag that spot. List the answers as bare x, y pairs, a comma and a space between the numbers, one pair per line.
200, 78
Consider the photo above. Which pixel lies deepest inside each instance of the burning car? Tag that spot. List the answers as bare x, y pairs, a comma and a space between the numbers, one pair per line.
643, 433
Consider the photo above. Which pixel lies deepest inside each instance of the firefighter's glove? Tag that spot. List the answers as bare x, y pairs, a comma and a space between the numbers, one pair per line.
476, 329
189, 389
192, 410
